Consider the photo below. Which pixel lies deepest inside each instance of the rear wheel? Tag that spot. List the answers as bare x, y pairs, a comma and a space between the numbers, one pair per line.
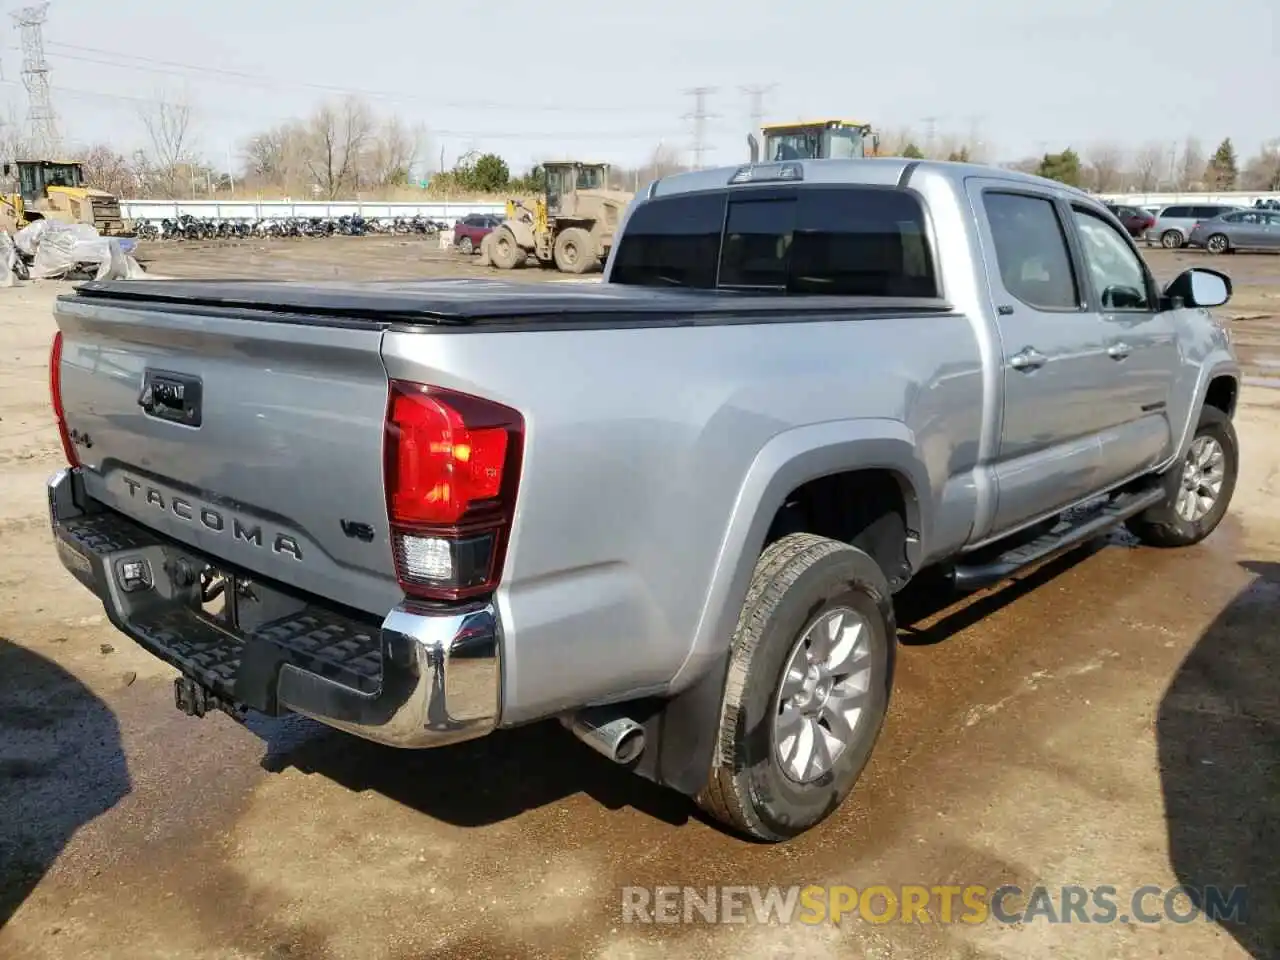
465, 246
575, 251
504, 252
1171, 240
807, 689
1199, 489
1218, 243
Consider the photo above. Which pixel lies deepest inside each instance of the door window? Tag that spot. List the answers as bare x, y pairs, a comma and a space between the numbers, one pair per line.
1031, 251
1115, 268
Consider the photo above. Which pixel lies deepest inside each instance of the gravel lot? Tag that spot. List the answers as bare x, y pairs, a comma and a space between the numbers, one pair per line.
1112, 718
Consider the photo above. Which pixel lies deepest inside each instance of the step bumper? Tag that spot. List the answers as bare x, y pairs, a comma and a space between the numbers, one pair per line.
423, 677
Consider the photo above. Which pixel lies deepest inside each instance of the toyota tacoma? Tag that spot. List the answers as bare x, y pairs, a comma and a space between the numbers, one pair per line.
671, 509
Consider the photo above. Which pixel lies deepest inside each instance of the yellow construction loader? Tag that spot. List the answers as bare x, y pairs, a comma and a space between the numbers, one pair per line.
55, 190
815, 140
570, 227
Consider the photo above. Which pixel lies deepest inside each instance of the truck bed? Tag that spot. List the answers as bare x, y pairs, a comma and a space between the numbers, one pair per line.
470, 302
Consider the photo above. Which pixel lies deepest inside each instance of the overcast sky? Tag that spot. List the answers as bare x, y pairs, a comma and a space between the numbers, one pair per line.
1027, 76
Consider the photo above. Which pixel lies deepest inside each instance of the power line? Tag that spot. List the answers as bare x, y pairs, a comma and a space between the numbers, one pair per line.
699, 116
129, 61
497, 134
41, 120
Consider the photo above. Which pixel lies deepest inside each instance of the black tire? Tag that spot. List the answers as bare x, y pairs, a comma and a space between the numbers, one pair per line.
1171, 240
797, 581
575, 251
1218, 243
504, 252
1161, 525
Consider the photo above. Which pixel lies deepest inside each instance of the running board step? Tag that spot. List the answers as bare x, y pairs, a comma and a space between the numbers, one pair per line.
1080, 530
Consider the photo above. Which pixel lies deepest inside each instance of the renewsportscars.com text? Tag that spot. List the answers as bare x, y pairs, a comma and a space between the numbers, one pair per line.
945, 903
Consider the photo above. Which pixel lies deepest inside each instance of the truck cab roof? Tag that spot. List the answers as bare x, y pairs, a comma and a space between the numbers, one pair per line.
869, 171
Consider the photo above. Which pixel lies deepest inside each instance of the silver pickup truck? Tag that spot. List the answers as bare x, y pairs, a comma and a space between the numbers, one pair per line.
671, 510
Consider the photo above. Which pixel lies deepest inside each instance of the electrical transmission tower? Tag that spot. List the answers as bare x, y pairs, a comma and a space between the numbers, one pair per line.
699, 116
41, 122
930, 131
757, 94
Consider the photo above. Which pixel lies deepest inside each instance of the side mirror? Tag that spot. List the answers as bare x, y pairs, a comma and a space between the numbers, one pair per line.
1200, 287
754, 146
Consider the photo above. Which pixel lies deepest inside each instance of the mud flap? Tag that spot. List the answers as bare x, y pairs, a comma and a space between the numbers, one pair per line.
681, 733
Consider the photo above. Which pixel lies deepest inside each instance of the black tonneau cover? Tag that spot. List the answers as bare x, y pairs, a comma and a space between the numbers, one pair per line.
468, 301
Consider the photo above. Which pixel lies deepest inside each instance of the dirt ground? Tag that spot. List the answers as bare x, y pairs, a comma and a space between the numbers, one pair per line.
1112, 718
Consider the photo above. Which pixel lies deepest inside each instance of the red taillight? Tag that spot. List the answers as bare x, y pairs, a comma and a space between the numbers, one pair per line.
451, 471
55, 397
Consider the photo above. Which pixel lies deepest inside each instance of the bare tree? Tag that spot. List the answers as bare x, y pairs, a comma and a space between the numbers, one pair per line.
337, 136
170, 135
1263, 171
392, 152
13, 139
1025, 165
276, 158
1104, 168
108, 170
1148, 164
893, 142
1191, 170
663, 162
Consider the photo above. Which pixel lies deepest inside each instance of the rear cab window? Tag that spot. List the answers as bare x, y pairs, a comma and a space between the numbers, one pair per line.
806, 239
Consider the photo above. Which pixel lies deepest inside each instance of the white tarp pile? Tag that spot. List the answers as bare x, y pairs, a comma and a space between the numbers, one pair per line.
11, 265
60, 249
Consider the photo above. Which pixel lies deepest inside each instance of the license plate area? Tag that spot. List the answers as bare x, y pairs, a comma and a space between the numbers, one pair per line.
172, 397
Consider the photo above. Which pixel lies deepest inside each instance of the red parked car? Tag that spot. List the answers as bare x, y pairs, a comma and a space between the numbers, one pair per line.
469, 231
1136, 221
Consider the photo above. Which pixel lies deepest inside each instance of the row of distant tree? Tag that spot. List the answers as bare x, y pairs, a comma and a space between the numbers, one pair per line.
1152, 171
1113, 168
346, 148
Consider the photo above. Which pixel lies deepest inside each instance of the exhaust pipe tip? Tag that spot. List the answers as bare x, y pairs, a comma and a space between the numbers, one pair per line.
617, 737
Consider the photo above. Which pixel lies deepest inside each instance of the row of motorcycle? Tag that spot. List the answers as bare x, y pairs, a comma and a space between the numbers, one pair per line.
187, 227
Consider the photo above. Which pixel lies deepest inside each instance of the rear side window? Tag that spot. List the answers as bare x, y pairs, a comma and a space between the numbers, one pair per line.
848, 241
672, 242
1031, 251
1176, 212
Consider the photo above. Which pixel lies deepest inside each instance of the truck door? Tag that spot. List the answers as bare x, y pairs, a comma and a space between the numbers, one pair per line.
1056, 385
1140, 344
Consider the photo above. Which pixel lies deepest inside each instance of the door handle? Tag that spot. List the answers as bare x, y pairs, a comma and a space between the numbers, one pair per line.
1028, 358
1118, 351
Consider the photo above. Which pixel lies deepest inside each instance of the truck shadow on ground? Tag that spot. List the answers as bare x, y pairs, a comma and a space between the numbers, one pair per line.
1218, 738
62, 764
475, 783
930, 609
498, 777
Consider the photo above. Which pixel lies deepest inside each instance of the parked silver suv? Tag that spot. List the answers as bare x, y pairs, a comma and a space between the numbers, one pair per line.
1174, 224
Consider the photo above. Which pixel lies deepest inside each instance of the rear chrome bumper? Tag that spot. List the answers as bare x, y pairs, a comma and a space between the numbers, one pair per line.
425, 677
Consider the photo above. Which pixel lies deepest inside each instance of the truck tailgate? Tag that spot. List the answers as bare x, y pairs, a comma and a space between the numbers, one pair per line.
255, 441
